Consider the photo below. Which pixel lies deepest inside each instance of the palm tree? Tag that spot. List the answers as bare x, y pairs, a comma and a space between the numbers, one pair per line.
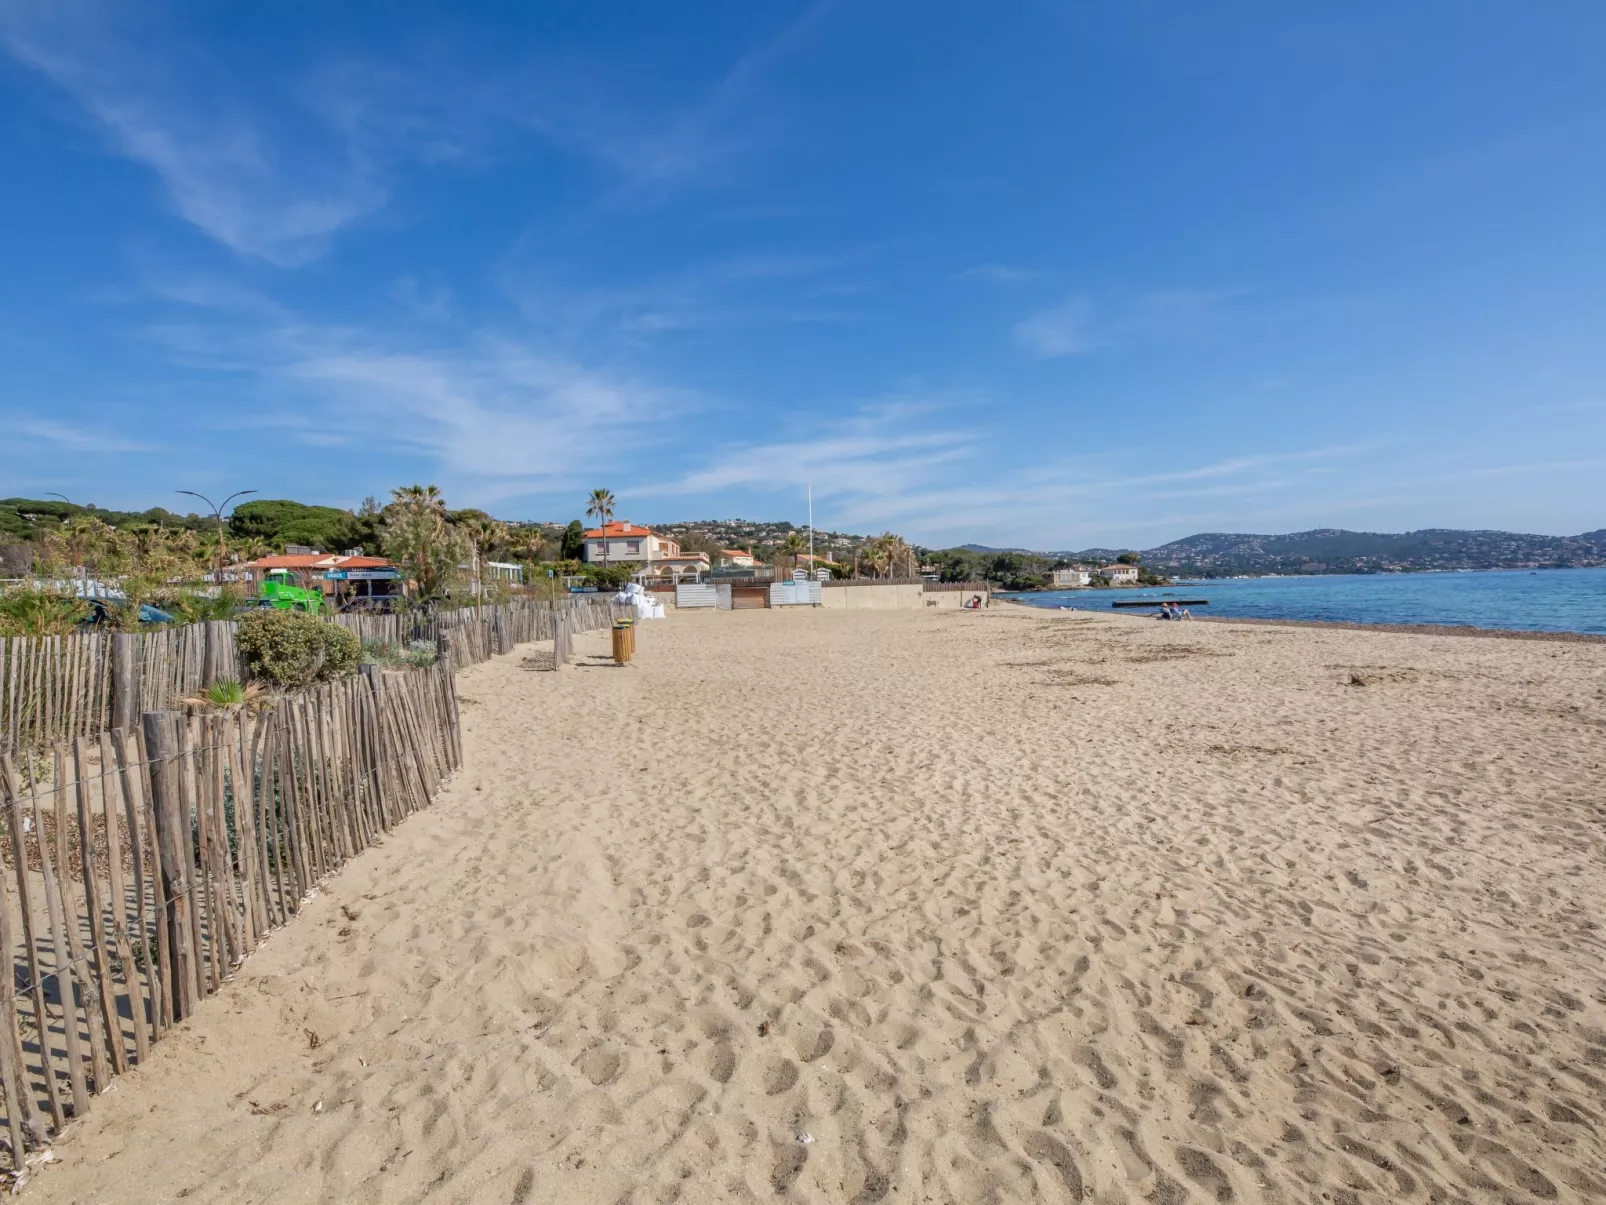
528, 544
889, 553
416, 529
419, 497
601, 507
795, 547
486, 535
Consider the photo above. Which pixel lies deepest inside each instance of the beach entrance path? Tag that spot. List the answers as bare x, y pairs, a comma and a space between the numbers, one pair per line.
860, 906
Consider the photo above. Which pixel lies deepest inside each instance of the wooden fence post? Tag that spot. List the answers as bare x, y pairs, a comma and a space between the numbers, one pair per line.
125, 679
164, 746
215, 658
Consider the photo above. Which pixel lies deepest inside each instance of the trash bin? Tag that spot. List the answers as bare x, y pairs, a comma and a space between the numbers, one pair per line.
621, 642
630, 626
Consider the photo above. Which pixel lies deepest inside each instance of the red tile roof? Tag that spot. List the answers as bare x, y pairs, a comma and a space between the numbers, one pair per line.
615, 530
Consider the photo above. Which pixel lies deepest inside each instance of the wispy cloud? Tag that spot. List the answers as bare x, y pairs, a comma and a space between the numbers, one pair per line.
905, 465
1081, 501
85, 438
1001, 273
1079, 325
272, 190
735, 290
493, 414
884, 449
1066, 330
275, 175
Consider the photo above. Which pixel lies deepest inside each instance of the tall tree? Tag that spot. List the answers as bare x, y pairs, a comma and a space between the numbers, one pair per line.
795, 546
572, 546
417, 535
600, 507
485, 535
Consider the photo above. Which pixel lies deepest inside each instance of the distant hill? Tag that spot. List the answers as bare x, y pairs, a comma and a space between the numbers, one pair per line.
1334, 550
1209, 554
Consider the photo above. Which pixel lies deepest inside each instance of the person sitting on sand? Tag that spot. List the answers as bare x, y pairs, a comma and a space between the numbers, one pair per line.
1182, 613
1164, 612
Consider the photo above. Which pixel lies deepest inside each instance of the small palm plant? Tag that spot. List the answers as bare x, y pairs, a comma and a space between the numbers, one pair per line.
227, 695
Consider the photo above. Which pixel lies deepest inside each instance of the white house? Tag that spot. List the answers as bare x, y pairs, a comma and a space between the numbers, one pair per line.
695, 563
503, 571
1071, 579
628, 542
738, 557
1120, 575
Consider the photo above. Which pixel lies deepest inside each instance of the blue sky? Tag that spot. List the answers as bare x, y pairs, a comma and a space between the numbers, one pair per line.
1058, 274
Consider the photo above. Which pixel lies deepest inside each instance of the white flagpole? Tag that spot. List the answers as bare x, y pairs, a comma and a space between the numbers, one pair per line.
811, 529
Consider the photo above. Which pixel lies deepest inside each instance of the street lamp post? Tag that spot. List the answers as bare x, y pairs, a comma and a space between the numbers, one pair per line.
75, 570
217, 513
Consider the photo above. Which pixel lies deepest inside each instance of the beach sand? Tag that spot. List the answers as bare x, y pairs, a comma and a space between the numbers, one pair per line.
903, 906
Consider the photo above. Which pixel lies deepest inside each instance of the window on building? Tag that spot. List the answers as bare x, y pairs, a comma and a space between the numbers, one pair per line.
632, 547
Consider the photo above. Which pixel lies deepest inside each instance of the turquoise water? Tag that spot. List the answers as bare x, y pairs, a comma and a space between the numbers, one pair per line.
1551, 600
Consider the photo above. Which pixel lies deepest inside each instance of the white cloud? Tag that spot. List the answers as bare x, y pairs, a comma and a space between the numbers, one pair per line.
732, 291
1001, 273
881, 451
1065, 330
86, 437
275, 175
274, 190
903, 466
1074, 503
490, 412
1078, 326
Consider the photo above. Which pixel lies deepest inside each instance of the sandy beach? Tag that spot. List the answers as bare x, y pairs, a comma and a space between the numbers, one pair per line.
920, 906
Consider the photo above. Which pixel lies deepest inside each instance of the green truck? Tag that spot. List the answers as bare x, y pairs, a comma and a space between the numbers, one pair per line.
279, 591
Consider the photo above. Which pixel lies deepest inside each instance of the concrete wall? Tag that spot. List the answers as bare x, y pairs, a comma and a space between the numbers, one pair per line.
874, 596
955, 598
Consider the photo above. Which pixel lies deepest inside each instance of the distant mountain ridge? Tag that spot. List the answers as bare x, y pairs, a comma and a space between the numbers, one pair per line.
1335, 550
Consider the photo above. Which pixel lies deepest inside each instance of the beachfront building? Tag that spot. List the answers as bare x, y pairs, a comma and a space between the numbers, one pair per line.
737, 558
503, 571
687, 564
1120, 575
626, 542
1071, 579
342, 577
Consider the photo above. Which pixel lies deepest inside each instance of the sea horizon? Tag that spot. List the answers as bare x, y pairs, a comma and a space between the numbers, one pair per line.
1538, 600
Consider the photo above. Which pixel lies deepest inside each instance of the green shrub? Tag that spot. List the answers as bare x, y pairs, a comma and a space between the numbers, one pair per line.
420, 654
609, 577
291, 650
29, 612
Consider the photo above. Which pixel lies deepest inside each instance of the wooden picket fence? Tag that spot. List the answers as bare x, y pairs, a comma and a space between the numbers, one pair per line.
479, 632
142, 864
57, 688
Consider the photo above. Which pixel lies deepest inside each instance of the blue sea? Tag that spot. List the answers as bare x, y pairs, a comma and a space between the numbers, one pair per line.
1549, 600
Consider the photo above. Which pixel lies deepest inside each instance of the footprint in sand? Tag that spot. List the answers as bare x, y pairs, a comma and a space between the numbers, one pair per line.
600, 1065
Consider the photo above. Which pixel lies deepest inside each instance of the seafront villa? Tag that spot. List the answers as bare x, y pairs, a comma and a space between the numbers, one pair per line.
1071, 579
621, 543
1120, 575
